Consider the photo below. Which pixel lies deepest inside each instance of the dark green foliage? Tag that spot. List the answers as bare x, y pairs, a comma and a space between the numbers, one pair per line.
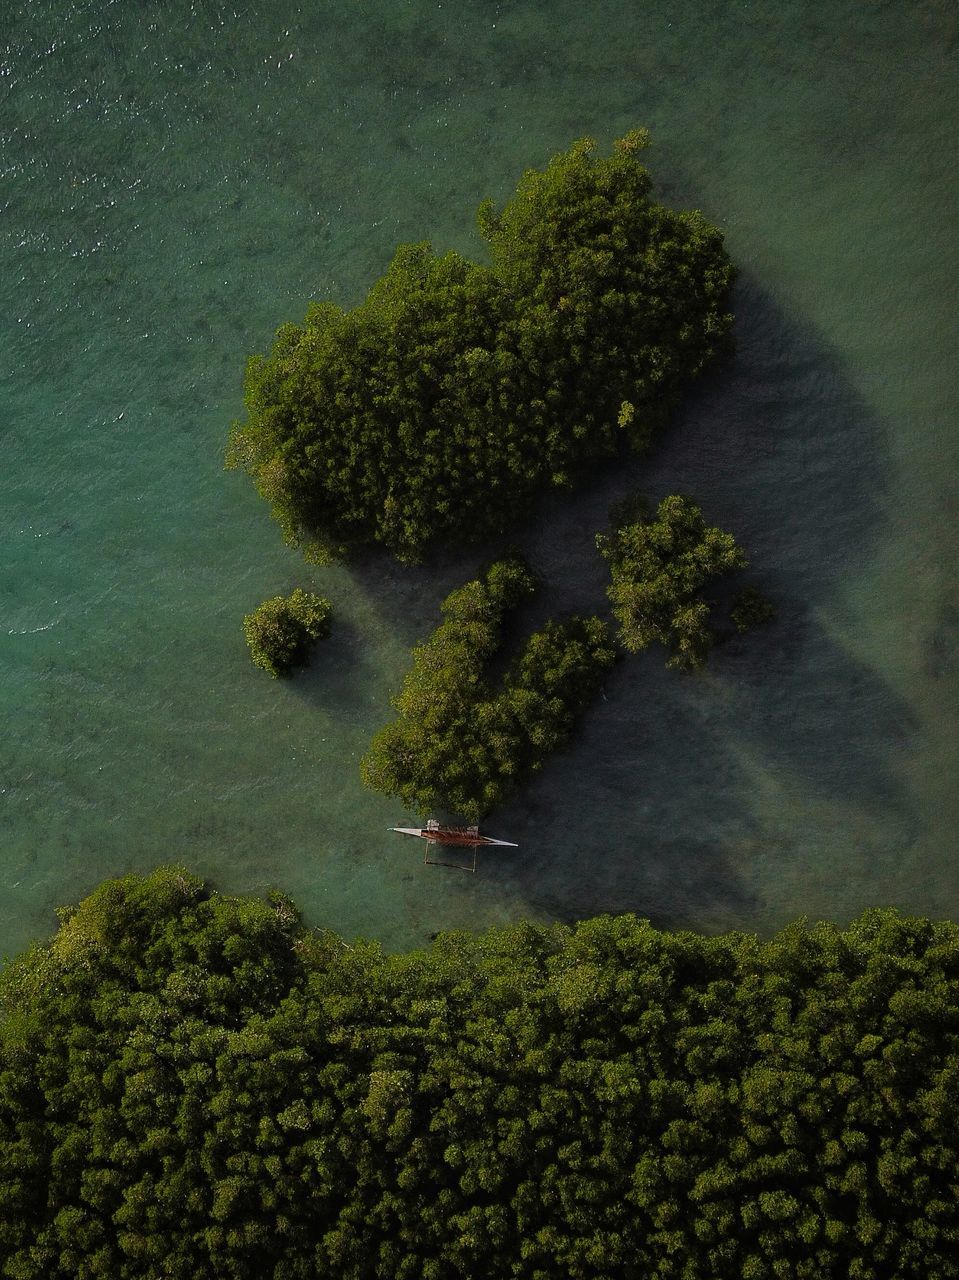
196, 1087
750, 608
659, 568
283, 630
436, 409
459, 745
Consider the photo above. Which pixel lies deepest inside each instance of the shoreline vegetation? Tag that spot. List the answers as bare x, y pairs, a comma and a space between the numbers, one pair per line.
438, 409
198, 1086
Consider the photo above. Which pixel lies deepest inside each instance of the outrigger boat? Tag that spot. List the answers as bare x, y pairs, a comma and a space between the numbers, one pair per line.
434, 833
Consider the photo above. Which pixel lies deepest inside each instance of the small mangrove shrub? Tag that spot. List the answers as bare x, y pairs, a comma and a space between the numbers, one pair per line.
283, 630
659, 568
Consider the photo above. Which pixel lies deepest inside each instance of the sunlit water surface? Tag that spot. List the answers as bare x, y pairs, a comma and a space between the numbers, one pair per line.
176, 180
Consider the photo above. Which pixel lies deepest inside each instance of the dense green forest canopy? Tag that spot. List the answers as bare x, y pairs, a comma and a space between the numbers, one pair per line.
463, 745
659, 568
437, 408
196, 1087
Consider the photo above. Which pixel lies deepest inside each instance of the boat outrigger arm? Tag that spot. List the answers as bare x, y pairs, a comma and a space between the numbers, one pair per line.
455, 837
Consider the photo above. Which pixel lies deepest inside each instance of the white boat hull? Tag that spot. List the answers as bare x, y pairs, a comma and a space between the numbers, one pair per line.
436, 837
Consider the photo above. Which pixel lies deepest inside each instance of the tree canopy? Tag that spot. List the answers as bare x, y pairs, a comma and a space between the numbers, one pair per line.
282, 631
436, 409
659, 568
462, 745
197, 1087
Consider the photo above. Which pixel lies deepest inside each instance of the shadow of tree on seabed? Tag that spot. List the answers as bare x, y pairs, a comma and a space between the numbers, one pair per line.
652, 809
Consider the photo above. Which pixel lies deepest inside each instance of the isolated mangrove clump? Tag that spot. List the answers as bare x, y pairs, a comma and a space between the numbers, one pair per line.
462, 744
282, 631
438, 408
659, 568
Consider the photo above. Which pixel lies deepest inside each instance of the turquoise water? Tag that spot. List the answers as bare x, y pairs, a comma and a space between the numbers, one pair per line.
177, 179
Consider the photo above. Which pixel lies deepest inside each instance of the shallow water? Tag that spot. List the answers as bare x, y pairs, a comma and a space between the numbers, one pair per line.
177, 180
